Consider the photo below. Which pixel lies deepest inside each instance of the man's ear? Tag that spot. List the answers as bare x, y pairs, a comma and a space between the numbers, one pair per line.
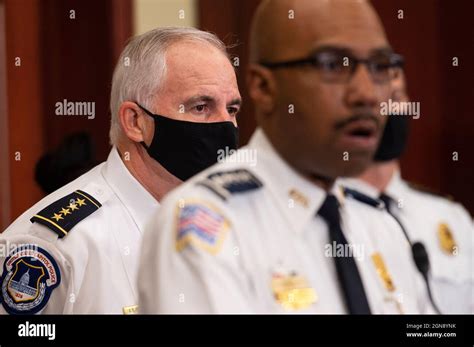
132, 121
262, 88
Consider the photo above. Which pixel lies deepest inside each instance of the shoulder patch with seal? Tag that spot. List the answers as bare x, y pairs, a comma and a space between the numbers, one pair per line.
356, 195
227, 183
201, 225
29, 276
62, 215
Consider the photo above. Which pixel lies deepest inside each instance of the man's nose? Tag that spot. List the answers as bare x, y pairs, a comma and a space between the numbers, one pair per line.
223, 115
361, 89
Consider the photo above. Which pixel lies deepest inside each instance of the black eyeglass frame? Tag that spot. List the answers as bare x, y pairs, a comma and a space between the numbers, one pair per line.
397, 61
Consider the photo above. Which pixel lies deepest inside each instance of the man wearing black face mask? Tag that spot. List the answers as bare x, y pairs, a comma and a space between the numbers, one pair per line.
443, 227
195, 145
76, 251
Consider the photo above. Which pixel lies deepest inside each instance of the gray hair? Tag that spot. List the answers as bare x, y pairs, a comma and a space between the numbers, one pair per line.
142, 66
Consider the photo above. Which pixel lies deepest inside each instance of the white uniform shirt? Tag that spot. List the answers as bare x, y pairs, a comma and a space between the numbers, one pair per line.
435, 221
242, 247
96, 261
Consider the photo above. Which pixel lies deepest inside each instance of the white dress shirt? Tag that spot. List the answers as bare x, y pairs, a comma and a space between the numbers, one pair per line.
97, 260
430, 219
260, 247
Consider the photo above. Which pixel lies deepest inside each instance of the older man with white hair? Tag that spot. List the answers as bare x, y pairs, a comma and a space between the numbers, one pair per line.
174, 102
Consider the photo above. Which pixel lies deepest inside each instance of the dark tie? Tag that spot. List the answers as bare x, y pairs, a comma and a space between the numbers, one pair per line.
387, 200
347, 272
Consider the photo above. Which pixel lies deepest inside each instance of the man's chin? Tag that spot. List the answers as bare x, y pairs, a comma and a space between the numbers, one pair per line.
355, 165
350, 168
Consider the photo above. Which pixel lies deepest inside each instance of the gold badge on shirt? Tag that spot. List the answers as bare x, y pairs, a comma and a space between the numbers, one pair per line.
382, 271
130, 309
293, 292
446, 239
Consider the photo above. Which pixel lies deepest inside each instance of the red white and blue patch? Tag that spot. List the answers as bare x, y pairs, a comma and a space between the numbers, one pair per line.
201, 225
29, 276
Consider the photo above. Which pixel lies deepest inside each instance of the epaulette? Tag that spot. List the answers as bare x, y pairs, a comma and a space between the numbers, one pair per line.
429, 191
354, 194
227, 183
63, 214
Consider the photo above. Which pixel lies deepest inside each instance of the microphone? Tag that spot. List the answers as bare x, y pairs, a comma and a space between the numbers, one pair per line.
422, 262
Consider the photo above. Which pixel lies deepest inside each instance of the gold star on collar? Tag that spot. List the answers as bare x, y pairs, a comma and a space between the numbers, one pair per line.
65, 211
73, 206
81, 202
57, 217
299, 197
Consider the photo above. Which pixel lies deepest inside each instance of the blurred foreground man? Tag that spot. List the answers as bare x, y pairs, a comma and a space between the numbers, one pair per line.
443, 227
267, 231
77, 250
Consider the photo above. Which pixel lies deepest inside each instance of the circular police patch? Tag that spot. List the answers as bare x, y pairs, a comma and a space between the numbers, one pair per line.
29, 276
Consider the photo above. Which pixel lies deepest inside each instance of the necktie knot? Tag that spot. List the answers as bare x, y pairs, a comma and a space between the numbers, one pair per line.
387, 200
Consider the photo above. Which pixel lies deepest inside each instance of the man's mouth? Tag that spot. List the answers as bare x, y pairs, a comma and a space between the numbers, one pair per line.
360, 135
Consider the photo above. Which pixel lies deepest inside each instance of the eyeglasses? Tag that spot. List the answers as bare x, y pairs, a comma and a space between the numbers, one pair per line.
339, 66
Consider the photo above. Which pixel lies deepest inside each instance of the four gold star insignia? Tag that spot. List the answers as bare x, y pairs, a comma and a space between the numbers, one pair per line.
73, 205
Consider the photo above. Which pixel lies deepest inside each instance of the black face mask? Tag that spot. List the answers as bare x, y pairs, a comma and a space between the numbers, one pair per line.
394, 139
187, 148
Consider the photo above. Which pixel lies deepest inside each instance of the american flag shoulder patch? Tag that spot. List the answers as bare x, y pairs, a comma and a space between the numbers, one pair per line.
201, 225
